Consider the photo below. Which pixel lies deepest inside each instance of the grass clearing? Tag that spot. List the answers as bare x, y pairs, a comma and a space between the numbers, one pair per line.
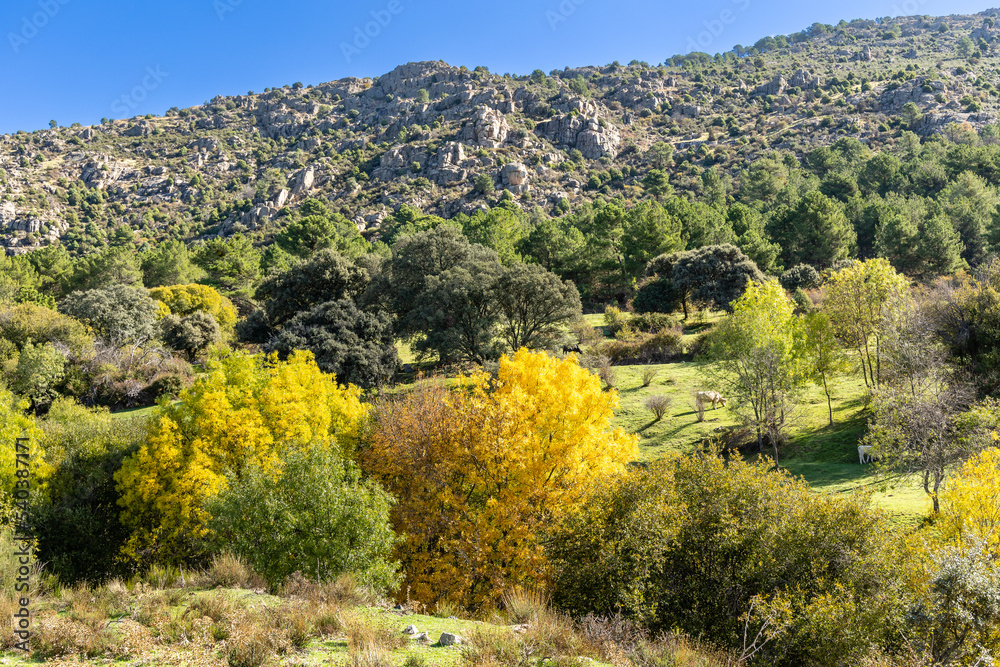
825, 456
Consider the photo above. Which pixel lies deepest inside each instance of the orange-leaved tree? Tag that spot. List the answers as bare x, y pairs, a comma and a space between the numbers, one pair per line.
246, 410
482, 471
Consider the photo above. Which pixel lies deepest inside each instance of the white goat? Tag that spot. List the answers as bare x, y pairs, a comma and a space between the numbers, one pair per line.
865, 454
713, 397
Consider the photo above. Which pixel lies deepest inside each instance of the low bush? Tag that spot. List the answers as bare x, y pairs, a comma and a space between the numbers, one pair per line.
657, 348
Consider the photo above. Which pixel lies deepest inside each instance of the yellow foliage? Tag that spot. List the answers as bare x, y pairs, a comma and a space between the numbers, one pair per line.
970, 503
481, 471
247, 409
16, 423
183, 300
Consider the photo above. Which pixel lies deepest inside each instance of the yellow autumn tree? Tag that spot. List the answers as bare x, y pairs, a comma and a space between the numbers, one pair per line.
246, 410
183, 300
970, 502
481, 471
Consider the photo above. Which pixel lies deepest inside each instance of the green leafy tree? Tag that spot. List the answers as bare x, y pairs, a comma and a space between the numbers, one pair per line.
859, 299
824, 356
192, 334
39, 370
501, 229
911, 115
357, 346
657, 183
233, 264
317, 228
326, 276
714, 275
120, 315
759, 360
111, 267
533, 306
649, 230
169, 263
318, 517
752, 238
725, 550
816, 231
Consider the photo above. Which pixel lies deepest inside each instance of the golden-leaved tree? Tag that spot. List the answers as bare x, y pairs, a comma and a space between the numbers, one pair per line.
480, 472
246, 410
184, 300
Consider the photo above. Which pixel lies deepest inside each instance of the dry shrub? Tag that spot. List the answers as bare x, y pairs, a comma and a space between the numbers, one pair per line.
295, 622
608, 375
250, 645
555, 634
658, 405
678, 651
661, 347
342, 591
230, 571
522, 604
218, 607
54, 637
616, 630
495, 648
647, 376
370, 657
699, 408
367, 634
8, 605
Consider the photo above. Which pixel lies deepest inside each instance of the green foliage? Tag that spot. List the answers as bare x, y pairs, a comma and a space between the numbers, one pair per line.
720, 549
533, 306
168, 263
326, 276
483, 184
39, 369
357, 346
714, 275
192, 334
111, 267
77, 523
121, 315
815, 232
316, 516
317, 228
500, 229
800, 276
233, 264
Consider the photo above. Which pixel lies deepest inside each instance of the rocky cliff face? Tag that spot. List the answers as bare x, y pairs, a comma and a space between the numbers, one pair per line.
421, 134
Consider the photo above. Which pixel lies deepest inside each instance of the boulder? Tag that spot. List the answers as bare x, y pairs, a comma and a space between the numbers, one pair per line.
775, 86
449, 639
8, 214
515, 177
303, 181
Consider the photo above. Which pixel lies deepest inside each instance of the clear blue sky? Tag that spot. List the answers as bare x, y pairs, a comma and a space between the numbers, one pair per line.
81, 60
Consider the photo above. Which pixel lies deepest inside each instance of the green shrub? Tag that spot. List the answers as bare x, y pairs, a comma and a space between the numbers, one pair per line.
655, 348
710, 547
77, 522
318, 517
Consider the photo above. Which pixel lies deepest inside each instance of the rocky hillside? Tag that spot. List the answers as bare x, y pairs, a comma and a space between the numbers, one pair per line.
447, 140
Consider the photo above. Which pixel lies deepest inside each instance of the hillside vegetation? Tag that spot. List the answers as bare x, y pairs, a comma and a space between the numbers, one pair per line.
690, 364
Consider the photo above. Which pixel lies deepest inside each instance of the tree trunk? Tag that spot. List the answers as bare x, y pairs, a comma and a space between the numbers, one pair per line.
829, 401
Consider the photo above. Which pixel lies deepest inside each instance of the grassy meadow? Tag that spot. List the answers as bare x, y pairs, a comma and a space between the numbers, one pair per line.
826, 456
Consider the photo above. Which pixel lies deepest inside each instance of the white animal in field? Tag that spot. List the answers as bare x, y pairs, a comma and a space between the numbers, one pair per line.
713, 397
865, 454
